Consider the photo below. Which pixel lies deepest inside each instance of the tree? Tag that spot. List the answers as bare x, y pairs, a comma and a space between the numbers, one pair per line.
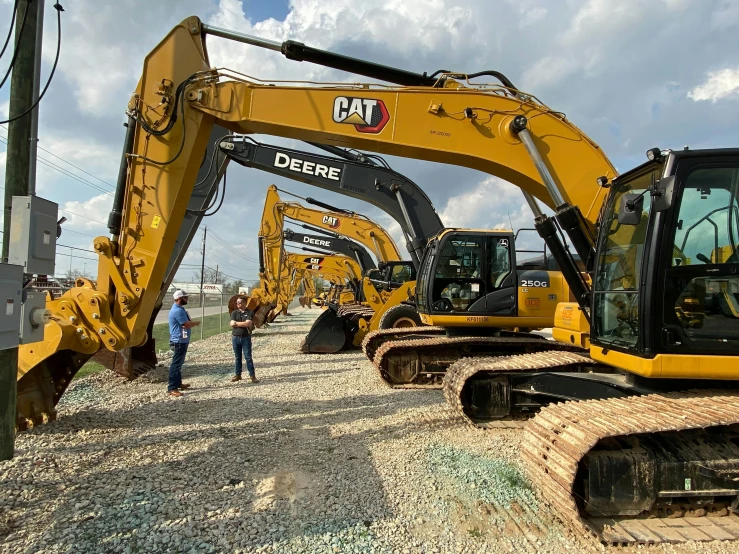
233, 288
210, 276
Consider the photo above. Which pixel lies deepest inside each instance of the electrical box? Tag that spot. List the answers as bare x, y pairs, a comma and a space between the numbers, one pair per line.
11, 288
34, 316
33, 234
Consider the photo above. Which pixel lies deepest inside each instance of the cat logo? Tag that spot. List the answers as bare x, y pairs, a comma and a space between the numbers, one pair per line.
314, 261
367, 115
331, 221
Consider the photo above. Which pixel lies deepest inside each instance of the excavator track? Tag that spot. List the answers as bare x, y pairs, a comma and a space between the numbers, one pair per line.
423, 363
353, 310
565, 440
374, 339
460, 374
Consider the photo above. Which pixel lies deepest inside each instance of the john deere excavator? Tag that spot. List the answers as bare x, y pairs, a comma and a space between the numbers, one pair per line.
275, 266
336, 329
641, 413
338, 326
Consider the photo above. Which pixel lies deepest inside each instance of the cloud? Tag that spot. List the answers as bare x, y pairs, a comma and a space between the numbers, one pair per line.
726, 15
619, 69
473, 209
720, 84
88, 215
5, 109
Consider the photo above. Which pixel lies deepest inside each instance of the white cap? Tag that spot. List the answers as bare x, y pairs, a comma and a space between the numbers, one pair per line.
179, 294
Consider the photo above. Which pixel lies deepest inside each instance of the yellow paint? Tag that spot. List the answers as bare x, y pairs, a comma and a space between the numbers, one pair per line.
670, 366
155, 222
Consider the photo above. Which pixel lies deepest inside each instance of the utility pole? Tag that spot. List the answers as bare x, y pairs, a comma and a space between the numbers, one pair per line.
202, 281
17, 183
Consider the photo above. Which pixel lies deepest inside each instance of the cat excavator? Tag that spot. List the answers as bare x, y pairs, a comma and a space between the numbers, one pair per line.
338, 326
636, 432
276, 265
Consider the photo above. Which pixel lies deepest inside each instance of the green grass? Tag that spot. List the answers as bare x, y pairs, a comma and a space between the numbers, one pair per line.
210, 327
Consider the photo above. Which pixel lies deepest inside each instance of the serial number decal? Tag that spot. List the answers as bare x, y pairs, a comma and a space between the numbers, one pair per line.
355, 189
477, 318
440, 133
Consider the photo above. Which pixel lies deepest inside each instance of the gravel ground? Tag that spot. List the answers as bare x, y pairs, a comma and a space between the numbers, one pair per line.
318, 457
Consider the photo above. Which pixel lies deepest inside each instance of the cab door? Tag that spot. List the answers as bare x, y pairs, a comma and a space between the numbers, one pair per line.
474, 273
500, 298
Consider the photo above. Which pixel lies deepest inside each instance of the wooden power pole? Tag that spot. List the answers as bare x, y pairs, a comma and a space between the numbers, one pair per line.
21, 141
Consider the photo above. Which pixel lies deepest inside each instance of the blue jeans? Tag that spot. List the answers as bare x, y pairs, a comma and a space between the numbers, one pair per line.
175, 368
242, 346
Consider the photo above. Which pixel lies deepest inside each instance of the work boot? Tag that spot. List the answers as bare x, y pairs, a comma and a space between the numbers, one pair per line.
185, 386
175, 393
235, 378
254, 379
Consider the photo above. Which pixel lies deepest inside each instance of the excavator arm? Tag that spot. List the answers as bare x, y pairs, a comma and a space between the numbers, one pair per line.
331, 243
348, 224
359, 177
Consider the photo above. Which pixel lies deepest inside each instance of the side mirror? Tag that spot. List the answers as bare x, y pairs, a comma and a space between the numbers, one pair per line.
662, 196
630, 209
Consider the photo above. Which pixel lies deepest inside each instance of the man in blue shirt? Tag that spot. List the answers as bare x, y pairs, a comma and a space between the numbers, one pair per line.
179, 337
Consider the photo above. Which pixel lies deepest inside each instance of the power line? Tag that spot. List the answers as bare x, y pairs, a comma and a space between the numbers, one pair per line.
82, 216
76, 257
59, 9
225, 244
75, 248
78, 233
70, 163
67, 173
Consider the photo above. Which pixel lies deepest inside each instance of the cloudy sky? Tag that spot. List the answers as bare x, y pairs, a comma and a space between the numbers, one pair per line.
631, 74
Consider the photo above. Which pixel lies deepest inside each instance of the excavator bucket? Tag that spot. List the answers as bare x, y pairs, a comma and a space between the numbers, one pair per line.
327, 336
131, 361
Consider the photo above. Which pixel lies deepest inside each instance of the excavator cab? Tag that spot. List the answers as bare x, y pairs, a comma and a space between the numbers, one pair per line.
667, 282
469, 272
390, 275
469, 278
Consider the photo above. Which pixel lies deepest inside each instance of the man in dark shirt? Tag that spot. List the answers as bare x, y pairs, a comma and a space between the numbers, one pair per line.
241, 328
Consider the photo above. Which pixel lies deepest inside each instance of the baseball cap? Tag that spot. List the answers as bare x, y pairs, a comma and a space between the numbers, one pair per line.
179, 294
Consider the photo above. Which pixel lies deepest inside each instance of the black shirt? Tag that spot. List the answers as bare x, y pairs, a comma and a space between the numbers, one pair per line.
238, 315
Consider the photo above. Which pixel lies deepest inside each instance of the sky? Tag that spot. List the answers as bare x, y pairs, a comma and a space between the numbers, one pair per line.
630, 74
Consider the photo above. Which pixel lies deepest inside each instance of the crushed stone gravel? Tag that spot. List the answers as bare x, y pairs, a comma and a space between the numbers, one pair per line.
319, 457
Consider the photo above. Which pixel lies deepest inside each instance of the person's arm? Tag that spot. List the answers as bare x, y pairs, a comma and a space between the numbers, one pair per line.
247, 324
183, 320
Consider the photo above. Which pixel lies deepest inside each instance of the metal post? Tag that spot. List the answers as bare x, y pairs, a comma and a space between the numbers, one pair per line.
36, 87
220, 314
202, 281
17, 174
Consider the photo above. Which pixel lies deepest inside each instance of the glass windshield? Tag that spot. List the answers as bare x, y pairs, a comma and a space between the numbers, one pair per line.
402, 272
499, 261
707, 227
702, 290
459, 280
423, 277
618, 271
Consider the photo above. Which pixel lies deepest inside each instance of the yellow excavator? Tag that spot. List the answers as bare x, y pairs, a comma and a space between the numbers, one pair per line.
277, 287
636, 437
339, 327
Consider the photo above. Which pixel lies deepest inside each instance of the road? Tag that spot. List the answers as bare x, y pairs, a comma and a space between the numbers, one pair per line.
195, 313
